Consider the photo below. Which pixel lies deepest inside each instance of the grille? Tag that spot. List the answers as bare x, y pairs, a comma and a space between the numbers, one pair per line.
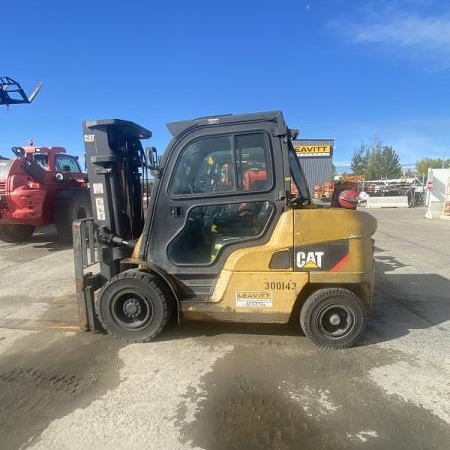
3, 203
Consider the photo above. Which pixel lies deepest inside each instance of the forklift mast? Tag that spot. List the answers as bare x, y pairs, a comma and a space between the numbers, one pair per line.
114, 157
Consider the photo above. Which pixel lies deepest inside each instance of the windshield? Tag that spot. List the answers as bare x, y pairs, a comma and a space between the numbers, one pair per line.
298, 177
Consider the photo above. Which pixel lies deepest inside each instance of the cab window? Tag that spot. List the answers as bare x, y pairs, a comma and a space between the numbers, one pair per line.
223, 164
66, 163
209, 228
42, 159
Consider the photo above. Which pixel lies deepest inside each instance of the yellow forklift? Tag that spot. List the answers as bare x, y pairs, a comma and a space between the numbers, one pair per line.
229, 234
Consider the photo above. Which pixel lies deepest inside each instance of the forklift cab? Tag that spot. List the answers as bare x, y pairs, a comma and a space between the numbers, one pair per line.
223, 188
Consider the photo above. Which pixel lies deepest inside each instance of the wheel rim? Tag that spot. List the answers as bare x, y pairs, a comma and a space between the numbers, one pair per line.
131, 310
336, 321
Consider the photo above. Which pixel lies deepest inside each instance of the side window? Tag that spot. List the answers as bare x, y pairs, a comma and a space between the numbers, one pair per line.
210, 227
253, 162
223, 164
42, 159
205, 166
66, 163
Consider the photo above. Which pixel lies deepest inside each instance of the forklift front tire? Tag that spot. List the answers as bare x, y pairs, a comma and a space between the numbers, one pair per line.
333, 318
133, 307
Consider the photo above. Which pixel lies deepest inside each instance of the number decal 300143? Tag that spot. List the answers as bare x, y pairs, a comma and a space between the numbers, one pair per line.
280, 285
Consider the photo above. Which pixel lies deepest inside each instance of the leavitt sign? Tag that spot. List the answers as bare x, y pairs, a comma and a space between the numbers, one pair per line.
313, 150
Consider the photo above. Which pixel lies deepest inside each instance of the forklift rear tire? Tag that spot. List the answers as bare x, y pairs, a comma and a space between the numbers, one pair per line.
333, 318
16, 233
133, 307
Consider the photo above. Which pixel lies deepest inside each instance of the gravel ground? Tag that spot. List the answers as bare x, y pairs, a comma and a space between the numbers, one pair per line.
231, 386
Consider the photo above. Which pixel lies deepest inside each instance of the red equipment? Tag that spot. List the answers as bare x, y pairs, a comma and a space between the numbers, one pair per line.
348, 199
40, 187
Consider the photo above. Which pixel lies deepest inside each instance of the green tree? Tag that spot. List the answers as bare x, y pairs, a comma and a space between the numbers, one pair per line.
376, 161
383, 163
422, 165
360, 159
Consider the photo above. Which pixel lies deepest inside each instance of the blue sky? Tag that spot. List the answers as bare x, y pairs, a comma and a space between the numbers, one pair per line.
341, 69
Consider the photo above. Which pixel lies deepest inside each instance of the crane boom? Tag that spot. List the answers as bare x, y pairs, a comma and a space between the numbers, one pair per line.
11, 93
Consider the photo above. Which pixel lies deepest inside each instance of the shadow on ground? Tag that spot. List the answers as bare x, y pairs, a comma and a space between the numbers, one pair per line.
270, 397
48, 238
44, 238
47, 375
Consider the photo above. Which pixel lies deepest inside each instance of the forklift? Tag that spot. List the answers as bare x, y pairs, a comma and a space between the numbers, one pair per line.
228, 233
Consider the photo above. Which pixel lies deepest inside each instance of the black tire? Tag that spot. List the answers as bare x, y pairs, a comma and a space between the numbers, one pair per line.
67, 210
16, 233
134, 307
333, 318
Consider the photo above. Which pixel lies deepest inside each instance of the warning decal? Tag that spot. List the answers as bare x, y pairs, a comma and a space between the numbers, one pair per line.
100, 207
250, 299
97, 188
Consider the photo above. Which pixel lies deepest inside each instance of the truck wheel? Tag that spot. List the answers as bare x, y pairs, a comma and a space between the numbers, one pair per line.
16, 233
333, 318
133, 307
77, 207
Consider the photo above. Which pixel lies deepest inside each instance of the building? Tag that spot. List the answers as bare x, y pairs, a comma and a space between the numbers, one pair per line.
316, 159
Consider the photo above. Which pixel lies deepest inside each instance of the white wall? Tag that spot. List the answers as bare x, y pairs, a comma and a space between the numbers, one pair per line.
436, 196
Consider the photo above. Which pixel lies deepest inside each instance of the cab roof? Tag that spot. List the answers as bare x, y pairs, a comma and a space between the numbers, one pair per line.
44, 150
180, 127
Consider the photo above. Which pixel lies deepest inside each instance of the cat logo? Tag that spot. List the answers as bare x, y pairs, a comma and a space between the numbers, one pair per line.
309, 260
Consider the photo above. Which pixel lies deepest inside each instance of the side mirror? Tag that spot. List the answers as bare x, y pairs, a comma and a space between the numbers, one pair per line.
153, 161
152, 158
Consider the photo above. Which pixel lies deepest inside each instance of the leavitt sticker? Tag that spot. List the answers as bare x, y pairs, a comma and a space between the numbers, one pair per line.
309, 260
250, 299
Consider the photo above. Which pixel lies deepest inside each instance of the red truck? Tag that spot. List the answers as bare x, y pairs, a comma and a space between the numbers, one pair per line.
41, 186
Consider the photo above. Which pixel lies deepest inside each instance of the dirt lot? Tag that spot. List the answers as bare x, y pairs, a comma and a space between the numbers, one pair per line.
217, 386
